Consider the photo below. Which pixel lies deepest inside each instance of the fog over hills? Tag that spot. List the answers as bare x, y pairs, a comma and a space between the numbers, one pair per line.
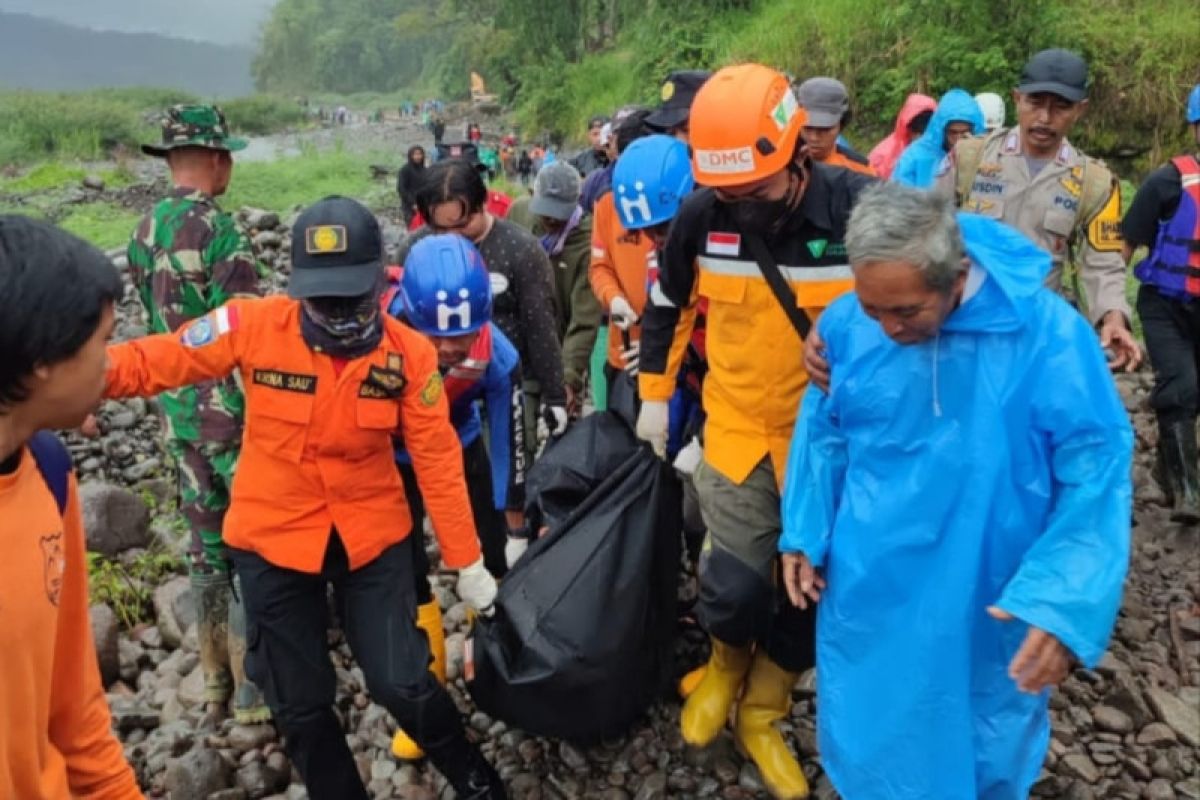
37, 53
220, 21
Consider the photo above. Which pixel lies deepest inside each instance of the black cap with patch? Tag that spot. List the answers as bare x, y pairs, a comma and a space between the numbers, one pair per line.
678, 92
337, 250
1059, 72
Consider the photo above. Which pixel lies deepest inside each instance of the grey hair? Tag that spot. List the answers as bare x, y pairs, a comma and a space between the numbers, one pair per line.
892, 222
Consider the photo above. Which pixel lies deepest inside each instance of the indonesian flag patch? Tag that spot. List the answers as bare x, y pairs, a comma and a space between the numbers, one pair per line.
724, 244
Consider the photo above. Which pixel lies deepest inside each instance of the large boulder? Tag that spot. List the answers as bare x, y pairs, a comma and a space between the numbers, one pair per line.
106, 635
196, 775
114, 519
174, 610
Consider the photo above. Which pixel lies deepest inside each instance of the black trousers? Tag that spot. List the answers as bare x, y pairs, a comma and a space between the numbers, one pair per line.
288, 657
1172, 331
489, 522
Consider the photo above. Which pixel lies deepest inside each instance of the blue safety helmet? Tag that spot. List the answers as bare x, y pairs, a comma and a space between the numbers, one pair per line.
1193, 109
650, 180
446, 289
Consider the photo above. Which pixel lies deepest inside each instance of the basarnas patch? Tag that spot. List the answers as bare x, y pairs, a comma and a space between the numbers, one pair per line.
433, 390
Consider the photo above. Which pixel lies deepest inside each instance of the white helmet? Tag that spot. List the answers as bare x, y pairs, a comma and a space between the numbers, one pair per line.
992, 106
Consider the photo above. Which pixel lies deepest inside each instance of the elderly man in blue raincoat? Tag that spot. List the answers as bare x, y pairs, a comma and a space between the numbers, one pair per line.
958, 505
958, 115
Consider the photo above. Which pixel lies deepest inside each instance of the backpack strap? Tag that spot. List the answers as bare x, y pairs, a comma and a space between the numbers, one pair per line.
54, 462
968, 155
779, 285
1097, 183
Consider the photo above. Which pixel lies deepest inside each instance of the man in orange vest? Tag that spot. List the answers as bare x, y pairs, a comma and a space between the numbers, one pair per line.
317, 501
826, 107
764, 196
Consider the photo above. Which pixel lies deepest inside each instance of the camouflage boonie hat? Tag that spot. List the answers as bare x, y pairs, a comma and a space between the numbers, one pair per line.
194, 126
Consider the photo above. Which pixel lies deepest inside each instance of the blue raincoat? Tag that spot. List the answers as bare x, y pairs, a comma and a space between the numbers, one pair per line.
989, 466
918, 164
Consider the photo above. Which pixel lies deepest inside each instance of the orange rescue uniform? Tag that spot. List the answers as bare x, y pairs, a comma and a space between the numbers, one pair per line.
317, 448
621, 260
56, 741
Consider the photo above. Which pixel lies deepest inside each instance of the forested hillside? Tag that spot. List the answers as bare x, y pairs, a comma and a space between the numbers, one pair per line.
557, 62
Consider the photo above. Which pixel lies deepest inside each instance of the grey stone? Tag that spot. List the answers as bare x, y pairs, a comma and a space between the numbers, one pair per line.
142, 470
191, 689
1108, 718
265, 239
1183, 719
1159, 789
258, 219
114, 519
1157, 734
571, 756
93, 182
250, 737
259, 780
1080, 766
106, 635
653, 788
174, 609
198, 774
129, 714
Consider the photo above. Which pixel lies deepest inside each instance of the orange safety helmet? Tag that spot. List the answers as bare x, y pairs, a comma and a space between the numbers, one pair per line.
744, 124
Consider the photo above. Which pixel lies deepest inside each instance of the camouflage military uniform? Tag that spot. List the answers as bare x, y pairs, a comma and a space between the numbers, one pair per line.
188, 257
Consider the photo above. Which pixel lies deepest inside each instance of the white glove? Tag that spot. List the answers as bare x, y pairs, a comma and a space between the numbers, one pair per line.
689, 457
652, 425
553, 422
477, 587
631, 358
621, 313
514, 548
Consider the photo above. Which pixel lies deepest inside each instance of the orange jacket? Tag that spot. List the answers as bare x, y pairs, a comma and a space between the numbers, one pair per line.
620, 261
317, 448
839, 159
56, 741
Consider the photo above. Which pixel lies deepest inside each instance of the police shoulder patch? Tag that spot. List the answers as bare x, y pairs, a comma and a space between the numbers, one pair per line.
1104, 230
433, 390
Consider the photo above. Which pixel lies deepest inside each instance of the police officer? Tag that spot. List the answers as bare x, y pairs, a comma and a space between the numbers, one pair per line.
1165, 216
763, 194
1032, 178
317, 499
188, 257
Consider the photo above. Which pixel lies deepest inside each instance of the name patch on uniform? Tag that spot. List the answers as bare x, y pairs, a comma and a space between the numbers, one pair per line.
391, 382
320, 239
726, 162
373, 392
433, 390
723, 244
1068, 203
993, 188
286, 381
210, 327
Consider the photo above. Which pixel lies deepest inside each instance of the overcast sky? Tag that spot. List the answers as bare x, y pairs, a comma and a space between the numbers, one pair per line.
221, 21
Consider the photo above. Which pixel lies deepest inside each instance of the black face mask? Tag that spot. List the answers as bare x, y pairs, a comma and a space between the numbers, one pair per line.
766, 217
343, 327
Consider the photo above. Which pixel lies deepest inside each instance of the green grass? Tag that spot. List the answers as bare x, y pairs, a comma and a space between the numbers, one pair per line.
297, 181
56, 175
103, 225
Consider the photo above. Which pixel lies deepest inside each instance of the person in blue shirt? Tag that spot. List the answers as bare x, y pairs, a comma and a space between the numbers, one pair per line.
957, 115
444, 291
960, 517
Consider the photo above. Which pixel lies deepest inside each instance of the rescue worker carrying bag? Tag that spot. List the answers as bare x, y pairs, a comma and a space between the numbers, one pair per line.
581, 642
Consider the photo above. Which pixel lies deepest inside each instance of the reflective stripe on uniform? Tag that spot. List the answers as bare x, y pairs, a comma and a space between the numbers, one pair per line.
750, 269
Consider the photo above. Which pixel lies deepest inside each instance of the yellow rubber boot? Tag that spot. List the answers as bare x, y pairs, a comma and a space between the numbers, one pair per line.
768, 699
707, 708
689, 682
429, 619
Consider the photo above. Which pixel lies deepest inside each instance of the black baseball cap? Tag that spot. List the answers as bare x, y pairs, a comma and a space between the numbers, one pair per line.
1059, 72
337, 250
678, 92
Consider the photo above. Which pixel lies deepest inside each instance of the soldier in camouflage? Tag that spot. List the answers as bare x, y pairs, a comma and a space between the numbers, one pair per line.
188, 257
